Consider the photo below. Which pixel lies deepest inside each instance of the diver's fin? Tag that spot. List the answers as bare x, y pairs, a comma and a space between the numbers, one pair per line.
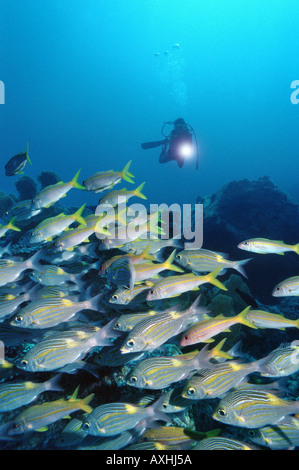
151, 145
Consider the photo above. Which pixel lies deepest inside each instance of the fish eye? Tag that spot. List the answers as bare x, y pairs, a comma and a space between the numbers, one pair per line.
277, 288
23, 363
133, 379
251, 433
18, 319
221, 412
85, 426
117, 324
115, 297
191, 391
179, 256
152, 291
130, 343
245, 243
186, 337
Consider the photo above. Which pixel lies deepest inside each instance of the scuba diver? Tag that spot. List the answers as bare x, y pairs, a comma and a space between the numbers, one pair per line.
178, 145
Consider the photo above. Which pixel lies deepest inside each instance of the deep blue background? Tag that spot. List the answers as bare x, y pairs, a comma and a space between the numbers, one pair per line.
84, 87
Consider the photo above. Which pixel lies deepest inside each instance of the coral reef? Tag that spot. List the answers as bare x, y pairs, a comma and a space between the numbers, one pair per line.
26, 188
45, 178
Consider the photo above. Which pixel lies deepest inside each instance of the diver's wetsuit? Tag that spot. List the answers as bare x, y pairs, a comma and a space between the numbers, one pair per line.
171, 143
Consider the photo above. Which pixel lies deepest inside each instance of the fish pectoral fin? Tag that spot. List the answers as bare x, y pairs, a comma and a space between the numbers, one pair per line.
43, 429
227, 330
67, 417
208, 341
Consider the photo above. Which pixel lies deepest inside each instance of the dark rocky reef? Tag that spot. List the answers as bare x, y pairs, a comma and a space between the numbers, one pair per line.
26, 187
249, 209
46, 178
6, 201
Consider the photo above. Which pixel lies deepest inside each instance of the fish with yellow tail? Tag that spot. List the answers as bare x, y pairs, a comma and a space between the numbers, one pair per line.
265, 246
204, 330
39, 417
104, 180
173, 286
9, 226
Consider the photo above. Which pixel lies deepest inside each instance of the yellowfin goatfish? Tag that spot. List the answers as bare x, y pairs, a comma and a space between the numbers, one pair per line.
9, 226
206, 261
264, 246
138, 246
53, 226
68, 240
287, 288
263, 319
38, 417
104, 180
16, 164
11, 270
156, 373
175, 285
122, 195
154, 331
206, 329
248, 408
114, 418
52, 193
49, 312
285, 435
16, 394
222, 443
63, 348
142, 271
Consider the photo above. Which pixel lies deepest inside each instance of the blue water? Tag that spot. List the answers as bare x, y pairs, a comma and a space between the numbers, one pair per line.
84, 87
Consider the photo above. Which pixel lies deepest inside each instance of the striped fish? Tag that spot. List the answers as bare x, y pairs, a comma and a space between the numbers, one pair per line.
250, 408
222, 443
138, 246
174, 402
169, 435
281, 362
62, 348
71, 435
22, 210
156, 373
284, 435
155, 330
51, 275
204, 330
288, 287
10, 270
264, 246
49, 312
111, 419
120, 272
70, 239
214, 383
134, 296
38, 417
16, 394
263, 319
206, 261
175, 285
104, 180
9, 303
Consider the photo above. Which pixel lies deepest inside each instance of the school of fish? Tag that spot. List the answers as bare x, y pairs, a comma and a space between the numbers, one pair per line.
94, 297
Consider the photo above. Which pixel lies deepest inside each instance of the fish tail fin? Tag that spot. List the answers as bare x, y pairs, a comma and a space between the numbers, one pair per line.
77, 216
168, 263
211, 277
146, 255
75, 183
296, 248
296, 323
27, 154
217, 351
11, 225
241, 317
239, 266
53, 384
138, 192
84, 404
125, 174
